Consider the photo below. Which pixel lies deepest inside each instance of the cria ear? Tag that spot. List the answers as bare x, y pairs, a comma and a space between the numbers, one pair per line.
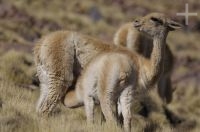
172, 25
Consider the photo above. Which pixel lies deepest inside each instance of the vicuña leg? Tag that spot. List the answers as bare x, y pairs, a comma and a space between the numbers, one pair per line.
55, 87
43, 95
165, 88
89, 109
108, 109
126, 100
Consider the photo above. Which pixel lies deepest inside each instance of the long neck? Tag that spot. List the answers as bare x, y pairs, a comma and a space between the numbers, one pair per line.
157, 56
155, 64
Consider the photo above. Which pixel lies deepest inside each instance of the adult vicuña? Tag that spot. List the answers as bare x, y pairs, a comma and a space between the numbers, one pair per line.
60, 55
130, 37
109, 77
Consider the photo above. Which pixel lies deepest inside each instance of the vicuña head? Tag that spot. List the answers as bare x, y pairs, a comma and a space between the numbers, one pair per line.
155, 24
128, 36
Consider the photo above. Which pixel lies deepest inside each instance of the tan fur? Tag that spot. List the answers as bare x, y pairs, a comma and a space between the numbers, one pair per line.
61, 52
156, 26
72, 101
149, 68
100, 76
131, 38
108, 78
58, 56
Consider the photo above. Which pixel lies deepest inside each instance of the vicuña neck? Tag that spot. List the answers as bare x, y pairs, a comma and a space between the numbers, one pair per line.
156, 59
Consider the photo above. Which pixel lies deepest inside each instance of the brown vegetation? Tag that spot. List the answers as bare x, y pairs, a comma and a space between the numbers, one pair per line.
17, 105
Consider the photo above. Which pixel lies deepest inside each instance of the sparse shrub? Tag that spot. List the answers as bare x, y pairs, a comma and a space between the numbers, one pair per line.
17, 67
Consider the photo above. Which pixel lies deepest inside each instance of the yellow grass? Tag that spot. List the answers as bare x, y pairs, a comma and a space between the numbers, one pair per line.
17, 101
17, 113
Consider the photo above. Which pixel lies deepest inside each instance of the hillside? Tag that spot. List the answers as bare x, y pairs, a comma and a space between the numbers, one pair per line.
24, 22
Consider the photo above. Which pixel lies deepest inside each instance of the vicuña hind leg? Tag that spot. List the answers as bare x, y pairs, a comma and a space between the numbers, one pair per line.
53, 94
42, 74
89, 109
119, 113
126, 100
43, 95
58, 79
108, 109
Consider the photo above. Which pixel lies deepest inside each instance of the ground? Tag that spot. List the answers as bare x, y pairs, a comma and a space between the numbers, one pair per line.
24, 22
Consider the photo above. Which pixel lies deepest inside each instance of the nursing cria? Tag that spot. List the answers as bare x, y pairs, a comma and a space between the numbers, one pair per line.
110, 77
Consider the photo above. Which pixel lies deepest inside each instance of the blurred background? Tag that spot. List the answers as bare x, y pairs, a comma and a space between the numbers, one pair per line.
22, 22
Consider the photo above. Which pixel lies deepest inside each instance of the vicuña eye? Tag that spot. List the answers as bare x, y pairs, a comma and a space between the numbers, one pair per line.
156, 20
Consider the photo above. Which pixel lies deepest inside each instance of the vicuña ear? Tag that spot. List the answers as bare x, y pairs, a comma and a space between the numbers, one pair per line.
172, 25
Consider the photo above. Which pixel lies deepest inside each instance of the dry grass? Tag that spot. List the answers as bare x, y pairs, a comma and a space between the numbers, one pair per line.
17, 113
17, 67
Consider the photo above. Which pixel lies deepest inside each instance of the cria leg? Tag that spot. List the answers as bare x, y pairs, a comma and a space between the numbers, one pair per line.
89, 109
119, 113
107, 107
126, 99
102, 118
